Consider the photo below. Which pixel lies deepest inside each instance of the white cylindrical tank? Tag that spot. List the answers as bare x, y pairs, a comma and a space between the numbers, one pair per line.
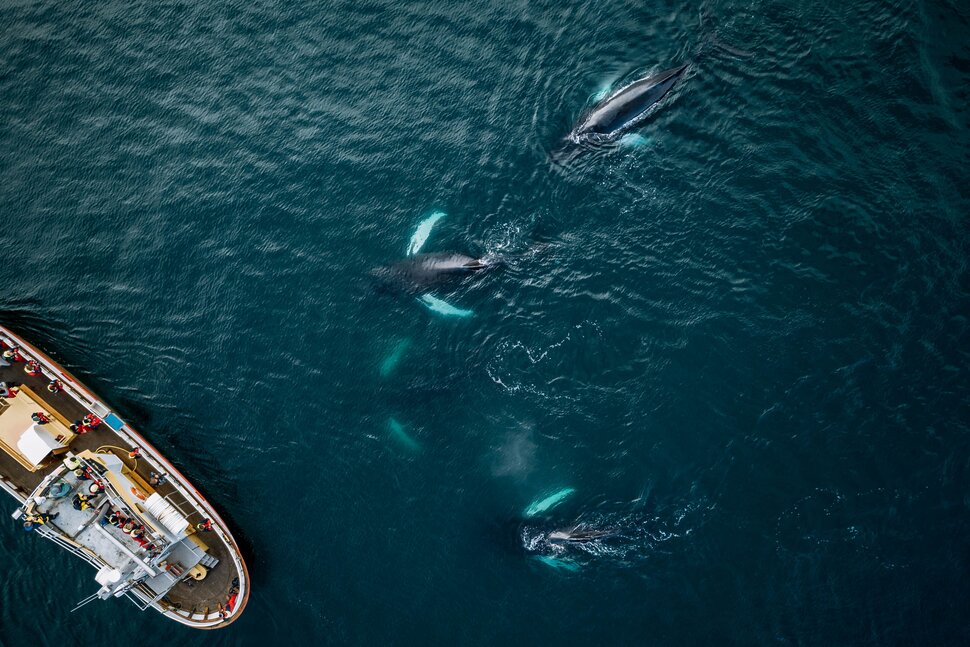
166, 513
107, 576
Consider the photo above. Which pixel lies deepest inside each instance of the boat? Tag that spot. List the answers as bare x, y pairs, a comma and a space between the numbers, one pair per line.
87, 481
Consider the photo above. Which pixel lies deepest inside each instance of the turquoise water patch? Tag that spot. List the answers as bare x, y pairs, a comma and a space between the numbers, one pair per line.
635, 140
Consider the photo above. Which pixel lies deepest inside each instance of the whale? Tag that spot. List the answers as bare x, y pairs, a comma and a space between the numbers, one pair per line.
577, 535
416, 274
579, 541
394, 357
617, 114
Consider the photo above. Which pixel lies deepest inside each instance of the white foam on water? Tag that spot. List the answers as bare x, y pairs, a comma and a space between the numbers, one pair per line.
635, 140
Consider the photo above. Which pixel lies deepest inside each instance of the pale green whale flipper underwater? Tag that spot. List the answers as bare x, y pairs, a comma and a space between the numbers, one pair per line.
434, 304
391, 361
548, 503
397, 433
558, 564
423, 231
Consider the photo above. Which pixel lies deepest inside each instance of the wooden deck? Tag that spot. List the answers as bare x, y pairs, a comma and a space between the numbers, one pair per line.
190, 596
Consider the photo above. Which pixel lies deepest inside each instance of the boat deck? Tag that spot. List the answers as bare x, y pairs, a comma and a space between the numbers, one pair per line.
193, 596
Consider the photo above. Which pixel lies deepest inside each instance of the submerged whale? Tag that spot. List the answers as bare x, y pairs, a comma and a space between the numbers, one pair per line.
416, 274
617, 114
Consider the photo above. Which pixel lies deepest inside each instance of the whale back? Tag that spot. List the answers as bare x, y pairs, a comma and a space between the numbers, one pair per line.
423, 270
577, 535
626, 107
448, 262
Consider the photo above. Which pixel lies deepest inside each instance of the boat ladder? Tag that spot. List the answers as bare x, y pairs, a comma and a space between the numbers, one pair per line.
209, 561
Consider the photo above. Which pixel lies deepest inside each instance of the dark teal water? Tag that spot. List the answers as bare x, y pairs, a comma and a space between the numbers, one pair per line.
744, 343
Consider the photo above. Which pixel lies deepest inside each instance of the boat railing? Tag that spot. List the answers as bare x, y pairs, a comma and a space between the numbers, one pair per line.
68, 545
50, 370
187, 515
99, 409
138, 595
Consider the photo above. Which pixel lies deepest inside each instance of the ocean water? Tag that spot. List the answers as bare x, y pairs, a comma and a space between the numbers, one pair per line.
741, 338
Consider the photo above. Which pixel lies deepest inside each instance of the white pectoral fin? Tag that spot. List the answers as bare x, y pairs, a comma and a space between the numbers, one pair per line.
549, 502
434, 304
423, 231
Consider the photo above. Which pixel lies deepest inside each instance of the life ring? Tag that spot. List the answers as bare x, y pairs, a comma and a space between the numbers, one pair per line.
138, 494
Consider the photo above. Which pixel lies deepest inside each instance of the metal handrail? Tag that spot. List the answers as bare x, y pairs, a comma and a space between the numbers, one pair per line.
185, 514
67, 545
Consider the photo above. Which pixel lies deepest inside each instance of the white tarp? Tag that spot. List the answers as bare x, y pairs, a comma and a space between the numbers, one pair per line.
36, 443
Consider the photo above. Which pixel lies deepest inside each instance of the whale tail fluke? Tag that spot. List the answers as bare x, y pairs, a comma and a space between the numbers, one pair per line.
568, 151
711, 40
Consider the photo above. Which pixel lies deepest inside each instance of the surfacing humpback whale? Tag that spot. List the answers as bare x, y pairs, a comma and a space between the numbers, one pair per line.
617, 114
418, 274
566, 548
415, 274
578, 535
